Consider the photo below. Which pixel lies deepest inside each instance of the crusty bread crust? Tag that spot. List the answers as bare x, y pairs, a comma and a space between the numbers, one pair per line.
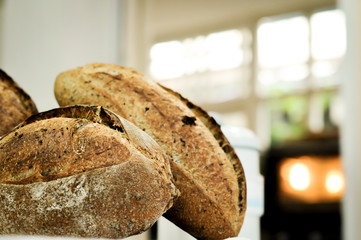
81, 171
215, 129
15, 104
206, 170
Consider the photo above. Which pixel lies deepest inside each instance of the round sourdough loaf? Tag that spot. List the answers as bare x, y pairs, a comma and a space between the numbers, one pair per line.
81, 171
205, 167
15, 104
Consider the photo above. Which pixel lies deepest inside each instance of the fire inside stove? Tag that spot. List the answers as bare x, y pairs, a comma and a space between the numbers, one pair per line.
310, 180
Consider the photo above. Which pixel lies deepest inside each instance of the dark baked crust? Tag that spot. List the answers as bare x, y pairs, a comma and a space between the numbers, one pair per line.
205, 168
15, 104
81, 171
215, 129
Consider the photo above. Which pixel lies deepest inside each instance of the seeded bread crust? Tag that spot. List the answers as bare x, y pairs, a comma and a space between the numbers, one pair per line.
81, 171
15, 104
206, 170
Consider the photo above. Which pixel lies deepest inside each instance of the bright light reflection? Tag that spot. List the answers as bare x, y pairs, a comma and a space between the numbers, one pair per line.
299, 176
334, 182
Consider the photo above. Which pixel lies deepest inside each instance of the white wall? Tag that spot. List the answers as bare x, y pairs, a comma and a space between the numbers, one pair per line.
351, 126
41, 38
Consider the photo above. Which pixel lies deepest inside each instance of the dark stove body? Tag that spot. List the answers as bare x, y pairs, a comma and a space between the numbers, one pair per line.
298, 220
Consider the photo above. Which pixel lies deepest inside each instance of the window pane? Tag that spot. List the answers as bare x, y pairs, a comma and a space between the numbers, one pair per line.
224, 50
271, 77
321, 69
167, 60
328, 45
212, 87
206, 69
283, 42
216, 51
283, 55
328, 35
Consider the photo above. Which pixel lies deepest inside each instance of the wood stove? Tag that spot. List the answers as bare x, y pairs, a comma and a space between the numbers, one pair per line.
303, 190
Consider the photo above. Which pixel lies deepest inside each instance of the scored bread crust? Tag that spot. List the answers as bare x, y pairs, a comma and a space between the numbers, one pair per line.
215, 129
15, 104
206, 170
81, 171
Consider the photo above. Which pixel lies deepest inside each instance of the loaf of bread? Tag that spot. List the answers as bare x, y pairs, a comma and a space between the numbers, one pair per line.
205, 167
15, 104
81, 171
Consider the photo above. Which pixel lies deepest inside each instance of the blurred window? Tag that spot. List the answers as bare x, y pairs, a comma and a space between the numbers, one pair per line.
328, 44
206, 69
283, 53
283, 86
298, 56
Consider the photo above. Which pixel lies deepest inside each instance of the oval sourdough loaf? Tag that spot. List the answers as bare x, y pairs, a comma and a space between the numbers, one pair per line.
205, 167
15, 104
81, 171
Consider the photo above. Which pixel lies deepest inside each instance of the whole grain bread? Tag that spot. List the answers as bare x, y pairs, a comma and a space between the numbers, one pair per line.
205, 167
81, 171
15, 104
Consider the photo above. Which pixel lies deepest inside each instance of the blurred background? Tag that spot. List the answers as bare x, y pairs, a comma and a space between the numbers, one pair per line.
288, 70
